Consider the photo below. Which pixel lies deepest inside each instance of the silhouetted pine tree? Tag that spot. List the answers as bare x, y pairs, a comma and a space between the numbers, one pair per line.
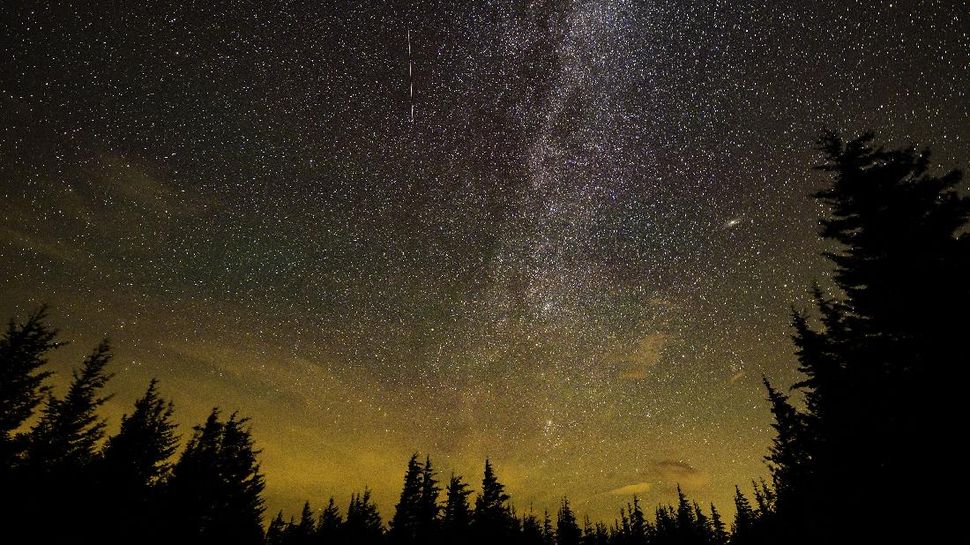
330, 525
428, 508
702, 526
719, 534
60, 450
666, 529
492, 520
276, 533
404, 524
133, 464
304, 530
363, 526
531, 530
639, 528
686, 520
788, 457
881, 364
69, 430
745, 519
457, 515
548, 534
567, 530
215, 490
23, 354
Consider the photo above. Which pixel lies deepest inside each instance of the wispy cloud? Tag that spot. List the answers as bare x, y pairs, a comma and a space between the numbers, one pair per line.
645, 354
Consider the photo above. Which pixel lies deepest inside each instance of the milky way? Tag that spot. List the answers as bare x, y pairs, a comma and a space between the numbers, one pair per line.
567, 235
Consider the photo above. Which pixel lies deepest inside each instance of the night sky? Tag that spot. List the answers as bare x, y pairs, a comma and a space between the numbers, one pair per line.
578, 258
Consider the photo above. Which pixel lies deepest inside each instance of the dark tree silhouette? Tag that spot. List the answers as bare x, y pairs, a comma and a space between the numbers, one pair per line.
744, 517
404, 524
214, 492
133, 465
719, 534
428, 508
639, 529
23, 354
60, 450
363, 524
492, 520
457, 513
567, 530
138, 456
879, 367
531, 530
330, 524
303, 531
276, 534
69, 429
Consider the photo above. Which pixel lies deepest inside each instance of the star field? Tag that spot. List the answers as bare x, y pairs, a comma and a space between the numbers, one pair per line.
579, 257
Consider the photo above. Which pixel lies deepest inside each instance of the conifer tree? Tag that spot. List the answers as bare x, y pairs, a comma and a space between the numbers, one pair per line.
457, 513
719, 535
363, 526
492, 519
330, 523
60, 451
531, 530
69, 430
215, 490
428, 508
276, 533
548, 534
638, 523
876, 368
23, 355
404, 524
666, 529
133, 464
702, 526
303, 531
744, 517
686, 522
138, 456
567, 530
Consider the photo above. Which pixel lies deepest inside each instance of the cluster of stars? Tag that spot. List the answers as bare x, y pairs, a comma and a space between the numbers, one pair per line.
577, 257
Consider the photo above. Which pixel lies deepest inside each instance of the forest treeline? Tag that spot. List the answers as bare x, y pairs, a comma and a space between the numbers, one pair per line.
879, 356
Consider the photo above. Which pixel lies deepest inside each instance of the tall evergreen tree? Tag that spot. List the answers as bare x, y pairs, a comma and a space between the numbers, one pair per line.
363, 526
638, 523
457, 514
329, 525
61, 448
404, 524
686, 521
745, 518
216, 486
719, 534
428, 507
23, 355
139, 455
276, 533
69, 430
548, 534
304, 530
567, 530
880, 365
531, 530
132, 466
492, 518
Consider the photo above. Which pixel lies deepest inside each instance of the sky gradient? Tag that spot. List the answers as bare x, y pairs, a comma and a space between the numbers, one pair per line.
579, 258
